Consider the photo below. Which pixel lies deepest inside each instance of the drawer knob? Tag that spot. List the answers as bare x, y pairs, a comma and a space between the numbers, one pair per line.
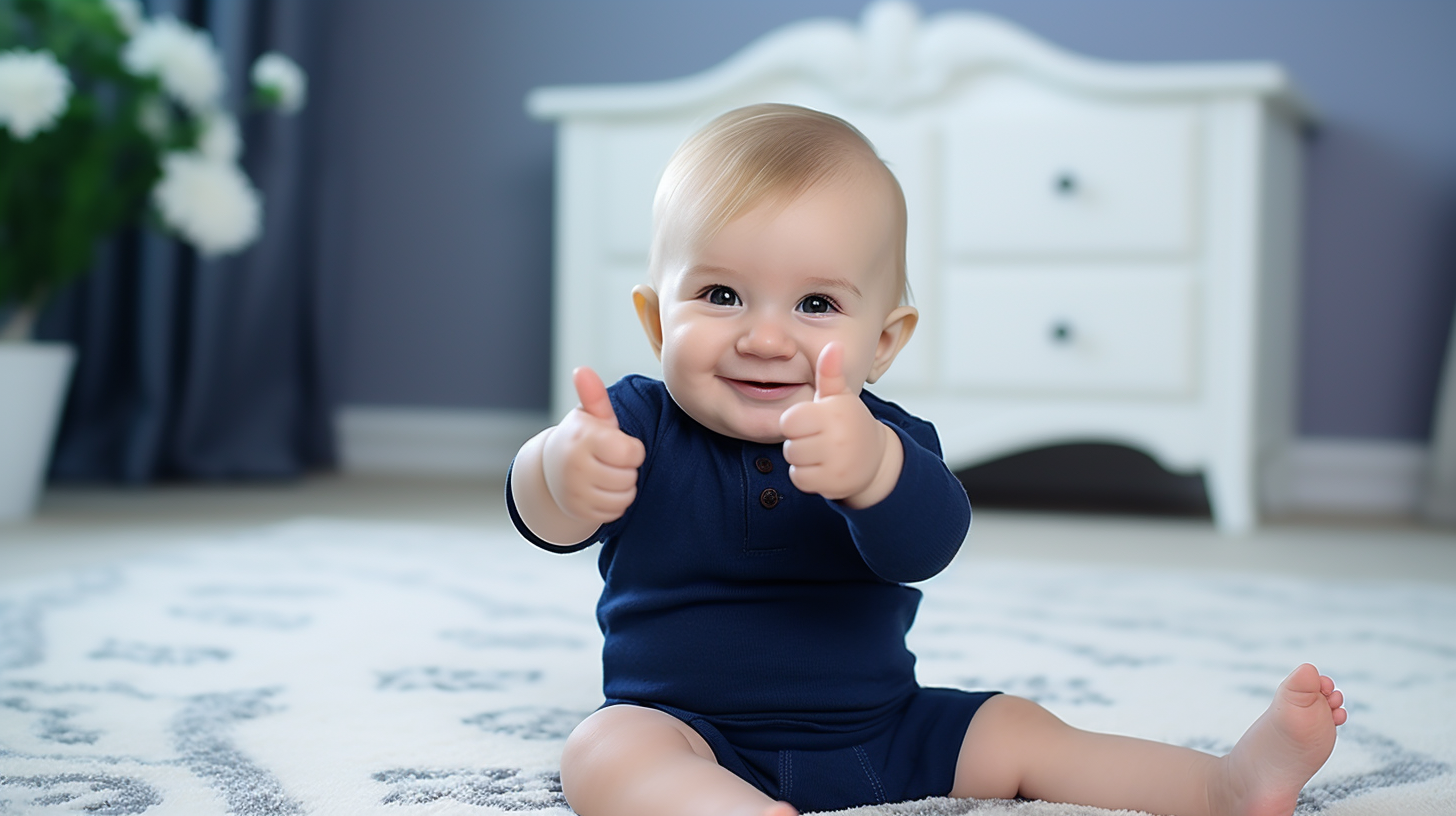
1065, 184
1062, 333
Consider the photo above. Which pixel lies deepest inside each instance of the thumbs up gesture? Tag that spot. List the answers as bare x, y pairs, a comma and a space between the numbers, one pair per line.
589, 463
833, 445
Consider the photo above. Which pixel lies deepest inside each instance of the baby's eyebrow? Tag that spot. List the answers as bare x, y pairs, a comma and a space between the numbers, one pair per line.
710, 271
693, 276
835, 283
706, 271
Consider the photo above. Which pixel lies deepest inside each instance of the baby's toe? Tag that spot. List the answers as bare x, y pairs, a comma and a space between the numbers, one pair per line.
1304, 680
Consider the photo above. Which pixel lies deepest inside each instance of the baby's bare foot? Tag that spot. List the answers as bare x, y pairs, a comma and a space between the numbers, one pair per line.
775, 809
1279, 753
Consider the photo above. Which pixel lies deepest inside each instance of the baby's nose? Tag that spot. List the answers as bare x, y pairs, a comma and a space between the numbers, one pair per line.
765, 338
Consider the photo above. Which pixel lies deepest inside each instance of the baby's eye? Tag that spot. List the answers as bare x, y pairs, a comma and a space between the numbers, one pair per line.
817, 304
721, 296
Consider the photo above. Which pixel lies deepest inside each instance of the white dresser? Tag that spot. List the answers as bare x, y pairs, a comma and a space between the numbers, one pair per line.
1101, 252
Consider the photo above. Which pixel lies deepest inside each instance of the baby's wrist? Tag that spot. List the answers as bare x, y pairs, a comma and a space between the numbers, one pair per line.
887, 472
552, 471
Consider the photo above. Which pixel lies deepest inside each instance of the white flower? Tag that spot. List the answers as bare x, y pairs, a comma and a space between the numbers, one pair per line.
281, 74
34, 91
220, 140
155, 118
128, 14
182, 57
210, 203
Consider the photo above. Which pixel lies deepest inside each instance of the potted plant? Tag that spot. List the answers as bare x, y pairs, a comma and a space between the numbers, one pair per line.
107, 119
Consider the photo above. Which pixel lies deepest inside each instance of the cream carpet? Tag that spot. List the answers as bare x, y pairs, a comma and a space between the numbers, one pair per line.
328, 667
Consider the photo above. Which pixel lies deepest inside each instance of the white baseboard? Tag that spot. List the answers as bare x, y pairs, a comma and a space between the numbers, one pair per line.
426, 441
1350, 477
1344, 476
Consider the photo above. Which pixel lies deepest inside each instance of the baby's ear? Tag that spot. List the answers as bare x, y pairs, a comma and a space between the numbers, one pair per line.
899, 325
645, 299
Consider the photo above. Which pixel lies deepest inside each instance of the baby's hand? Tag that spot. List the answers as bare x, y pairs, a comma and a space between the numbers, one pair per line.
833, 445
590, 465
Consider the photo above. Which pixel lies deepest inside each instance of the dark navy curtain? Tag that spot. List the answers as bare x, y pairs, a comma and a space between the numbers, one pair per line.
191, 368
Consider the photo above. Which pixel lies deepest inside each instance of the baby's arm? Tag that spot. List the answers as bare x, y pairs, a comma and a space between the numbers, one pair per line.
916, 531
834, 446
907, 513
570, 479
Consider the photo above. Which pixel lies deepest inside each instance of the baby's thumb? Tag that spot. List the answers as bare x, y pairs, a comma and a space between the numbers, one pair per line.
829, 372
593, 395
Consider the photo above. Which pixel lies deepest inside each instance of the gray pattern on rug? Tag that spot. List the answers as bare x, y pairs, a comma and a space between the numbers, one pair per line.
329, 667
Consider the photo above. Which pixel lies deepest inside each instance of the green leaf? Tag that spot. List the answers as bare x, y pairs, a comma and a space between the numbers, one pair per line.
90, 174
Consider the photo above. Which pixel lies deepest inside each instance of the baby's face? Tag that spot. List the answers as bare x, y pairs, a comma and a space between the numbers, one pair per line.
745, 315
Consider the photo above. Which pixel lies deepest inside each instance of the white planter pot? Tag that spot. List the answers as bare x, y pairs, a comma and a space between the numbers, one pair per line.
33, 379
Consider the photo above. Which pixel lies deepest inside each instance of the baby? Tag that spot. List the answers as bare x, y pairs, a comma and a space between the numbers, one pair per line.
760, 515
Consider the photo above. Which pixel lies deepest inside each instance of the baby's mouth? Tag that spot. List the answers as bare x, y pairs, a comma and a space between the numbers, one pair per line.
767, 391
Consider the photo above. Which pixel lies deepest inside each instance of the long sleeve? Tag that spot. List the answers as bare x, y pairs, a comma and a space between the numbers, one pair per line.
915, 531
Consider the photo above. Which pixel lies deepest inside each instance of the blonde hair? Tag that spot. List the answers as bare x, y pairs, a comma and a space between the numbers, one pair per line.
753, 155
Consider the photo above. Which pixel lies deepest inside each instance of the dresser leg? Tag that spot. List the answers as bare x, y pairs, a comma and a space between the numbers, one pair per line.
1231, 497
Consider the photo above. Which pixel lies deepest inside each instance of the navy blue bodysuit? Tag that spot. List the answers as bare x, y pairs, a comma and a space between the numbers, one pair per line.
773, 621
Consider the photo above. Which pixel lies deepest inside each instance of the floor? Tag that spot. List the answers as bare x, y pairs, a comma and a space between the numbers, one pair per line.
78, 526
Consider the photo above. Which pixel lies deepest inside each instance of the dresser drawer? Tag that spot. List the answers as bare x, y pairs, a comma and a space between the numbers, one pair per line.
1097, 183
1070, 332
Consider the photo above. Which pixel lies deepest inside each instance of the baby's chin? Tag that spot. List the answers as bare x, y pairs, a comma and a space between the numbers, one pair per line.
775, 438
759, 425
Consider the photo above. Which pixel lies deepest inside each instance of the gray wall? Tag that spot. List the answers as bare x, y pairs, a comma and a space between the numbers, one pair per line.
440, 186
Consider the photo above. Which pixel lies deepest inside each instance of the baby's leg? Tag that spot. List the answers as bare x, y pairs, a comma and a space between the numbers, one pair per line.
1014, 747
631, 761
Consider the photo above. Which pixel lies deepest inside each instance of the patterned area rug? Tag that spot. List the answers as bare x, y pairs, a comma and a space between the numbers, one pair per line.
341, 668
